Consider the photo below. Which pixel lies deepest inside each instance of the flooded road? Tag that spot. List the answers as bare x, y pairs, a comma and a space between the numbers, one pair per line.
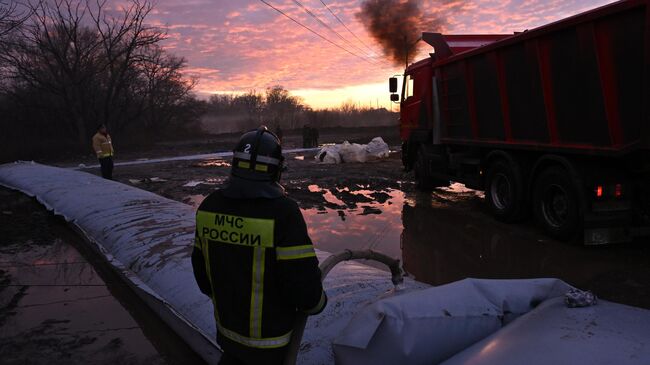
441, 237
447, 236
61, 304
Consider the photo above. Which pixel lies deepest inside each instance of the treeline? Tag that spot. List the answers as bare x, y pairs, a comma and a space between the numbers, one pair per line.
67, 66
276, 107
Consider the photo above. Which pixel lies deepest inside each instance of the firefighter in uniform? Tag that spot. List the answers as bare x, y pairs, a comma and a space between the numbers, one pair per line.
253, 256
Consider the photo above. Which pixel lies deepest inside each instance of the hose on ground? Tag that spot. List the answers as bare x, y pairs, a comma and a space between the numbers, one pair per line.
397, 277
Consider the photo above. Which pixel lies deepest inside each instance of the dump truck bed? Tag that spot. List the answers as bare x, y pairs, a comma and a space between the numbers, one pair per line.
577, 85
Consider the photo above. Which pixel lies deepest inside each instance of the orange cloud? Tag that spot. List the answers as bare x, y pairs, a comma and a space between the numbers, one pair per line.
236, 46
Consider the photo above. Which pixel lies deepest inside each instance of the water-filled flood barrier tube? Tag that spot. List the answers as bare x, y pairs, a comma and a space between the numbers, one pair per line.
148, 240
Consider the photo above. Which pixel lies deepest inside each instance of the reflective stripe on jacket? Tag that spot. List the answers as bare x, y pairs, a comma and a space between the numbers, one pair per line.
102, 145
254, 258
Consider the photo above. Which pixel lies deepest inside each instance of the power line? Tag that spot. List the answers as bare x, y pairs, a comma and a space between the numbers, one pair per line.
316, 33
346, 27
327, 26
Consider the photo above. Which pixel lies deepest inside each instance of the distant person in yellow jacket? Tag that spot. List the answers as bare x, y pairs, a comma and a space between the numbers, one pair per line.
104, 149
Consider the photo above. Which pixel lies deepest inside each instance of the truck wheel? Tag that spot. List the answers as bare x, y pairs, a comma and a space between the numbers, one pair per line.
423, 179
406, 157
556, 206
421, 173
504, 191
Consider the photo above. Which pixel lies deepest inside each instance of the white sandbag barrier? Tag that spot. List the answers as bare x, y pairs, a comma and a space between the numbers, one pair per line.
607, 333
508, 322
354, 152
148, 240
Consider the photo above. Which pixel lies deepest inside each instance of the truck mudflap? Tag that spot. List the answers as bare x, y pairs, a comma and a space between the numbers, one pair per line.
601, 236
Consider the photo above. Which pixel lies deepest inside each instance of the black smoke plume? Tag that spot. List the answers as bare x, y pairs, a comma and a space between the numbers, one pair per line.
395, 25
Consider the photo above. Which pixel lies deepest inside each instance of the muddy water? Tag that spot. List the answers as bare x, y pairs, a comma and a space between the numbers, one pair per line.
448, 235
61, 305
443, 243
369, 225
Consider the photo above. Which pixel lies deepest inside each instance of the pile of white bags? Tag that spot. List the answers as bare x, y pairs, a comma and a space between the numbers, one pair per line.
354, 152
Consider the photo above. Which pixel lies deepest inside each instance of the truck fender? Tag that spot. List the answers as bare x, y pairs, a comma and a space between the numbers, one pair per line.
555, 160
412, 145
500, 154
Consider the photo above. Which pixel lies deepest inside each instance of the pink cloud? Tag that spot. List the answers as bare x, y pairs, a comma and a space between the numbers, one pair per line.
251, 46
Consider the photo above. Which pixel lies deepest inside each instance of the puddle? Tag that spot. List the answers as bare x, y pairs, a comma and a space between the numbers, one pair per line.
462, 189
192, 183
62, 304
212, 163
194, 200
59, 308
447, 235
375, 226
327, 194
195, 183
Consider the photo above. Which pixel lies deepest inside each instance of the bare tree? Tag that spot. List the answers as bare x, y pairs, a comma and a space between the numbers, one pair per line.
92, 67
127, 42
281, 106
164, 85
253, 104
12, 16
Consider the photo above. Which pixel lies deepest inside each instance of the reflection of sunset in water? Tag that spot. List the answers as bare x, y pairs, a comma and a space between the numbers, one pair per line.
213, 163
333, 231
446, 236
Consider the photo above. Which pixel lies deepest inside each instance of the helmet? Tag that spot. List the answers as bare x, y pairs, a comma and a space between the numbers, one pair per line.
258, 156
256, 166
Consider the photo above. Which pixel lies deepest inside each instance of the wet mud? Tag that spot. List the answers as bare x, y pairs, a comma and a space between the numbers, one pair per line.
59, 303
442, 236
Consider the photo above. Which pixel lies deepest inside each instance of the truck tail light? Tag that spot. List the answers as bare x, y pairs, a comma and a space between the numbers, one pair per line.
599, 191
618, 190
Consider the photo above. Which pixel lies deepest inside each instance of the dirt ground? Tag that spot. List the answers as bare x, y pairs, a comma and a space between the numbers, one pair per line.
442, 236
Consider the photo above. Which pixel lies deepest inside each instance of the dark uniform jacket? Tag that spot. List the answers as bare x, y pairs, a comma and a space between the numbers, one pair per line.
254, 258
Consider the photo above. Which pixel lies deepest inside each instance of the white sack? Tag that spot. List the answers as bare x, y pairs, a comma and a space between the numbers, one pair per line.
377, 148
353, 152
606, 333
429, 326
328, 154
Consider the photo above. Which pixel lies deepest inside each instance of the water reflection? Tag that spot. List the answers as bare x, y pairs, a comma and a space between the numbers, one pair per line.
194, 200
212, 163
51, 295
447, 236
441, 244
334, 230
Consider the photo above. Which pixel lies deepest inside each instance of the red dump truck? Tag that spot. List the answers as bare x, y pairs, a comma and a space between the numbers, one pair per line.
552, 121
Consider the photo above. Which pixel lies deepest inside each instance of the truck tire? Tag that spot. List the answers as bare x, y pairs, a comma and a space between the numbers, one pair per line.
555, 203
407, 161
423, 179
504, 191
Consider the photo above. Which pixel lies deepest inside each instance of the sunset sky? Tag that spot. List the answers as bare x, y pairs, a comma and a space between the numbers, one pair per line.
236, 46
